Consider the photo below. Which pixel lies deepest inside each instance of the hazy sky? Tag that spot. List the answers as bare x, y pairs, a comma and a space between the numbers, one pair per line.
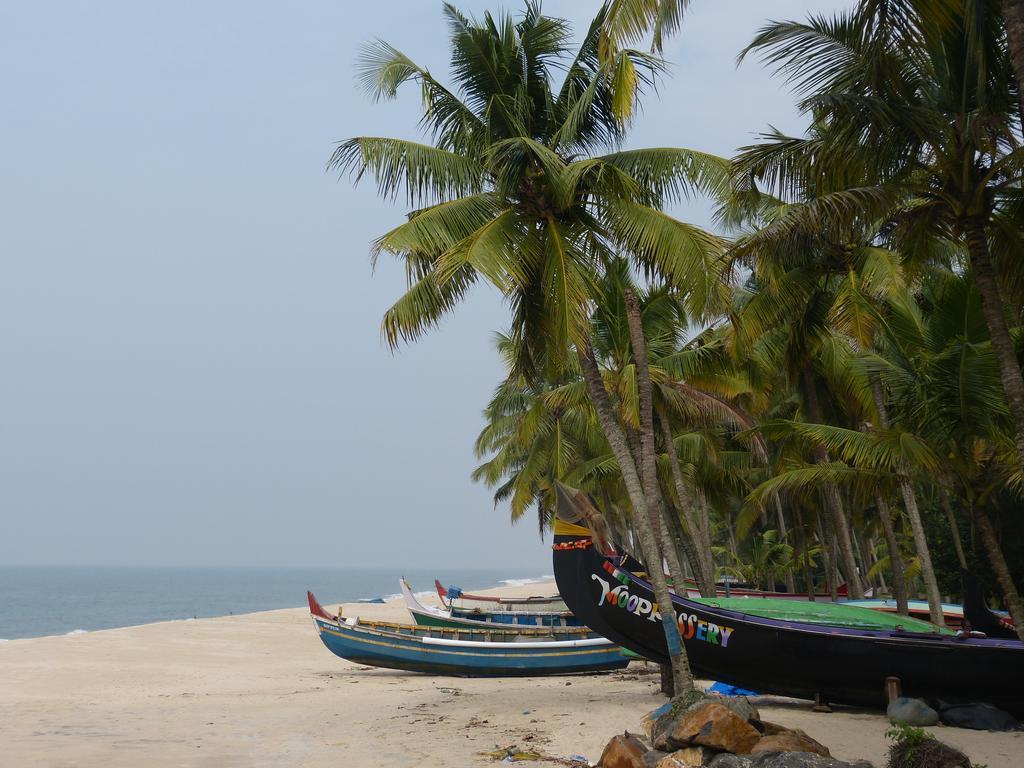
191, 370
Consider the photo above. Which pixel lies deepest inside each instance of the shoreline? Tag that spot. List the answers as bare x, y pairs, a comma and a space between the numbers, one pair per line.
259, 689
501, 584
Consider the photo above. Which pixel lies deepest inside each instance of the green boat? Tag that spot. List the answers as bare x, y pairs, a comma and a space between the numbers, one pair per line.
831, 614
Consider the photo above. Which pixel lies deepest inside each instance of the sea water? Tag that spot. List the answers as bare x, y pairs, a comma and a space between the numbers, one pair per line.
37, 601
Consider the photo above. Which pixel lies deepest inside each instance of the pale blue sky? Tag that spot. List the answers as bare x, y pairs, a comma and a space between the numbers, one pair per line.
190, 365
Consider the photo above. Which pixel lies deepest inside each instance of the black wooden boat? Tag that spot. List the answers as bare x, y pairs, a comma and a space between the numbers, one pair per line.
843, 665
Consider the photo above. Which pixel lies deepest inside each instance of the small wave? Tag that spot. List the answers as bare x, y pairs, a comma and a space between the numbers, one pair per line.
524, 582
77, 632
4, 640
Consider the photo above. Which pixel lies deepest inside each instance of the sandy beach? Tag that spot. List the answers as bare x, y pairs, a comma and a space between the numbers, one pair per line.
261, 690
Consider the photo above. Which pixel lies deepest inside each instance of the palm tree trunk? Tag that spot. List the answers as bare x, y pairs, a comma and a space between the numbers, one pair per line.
1013, 13
840, 526
685, 548
1002, 344
704, 523
896, 565
670, 548
899, 570
705, 581
931, 586
990, 541
858, 547
731, 538
647, 460
784, 537
872, 545
954, 529
801, 540
826, 556
682, 678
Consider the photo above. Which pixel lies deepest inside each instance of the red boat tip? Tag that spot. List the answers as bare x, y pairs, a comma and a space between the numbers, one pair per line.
316, 609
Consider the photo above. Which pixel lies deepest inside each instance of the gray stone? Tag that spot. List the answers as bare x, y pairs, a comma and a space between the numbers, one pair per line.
725, 760
915, 712
980, 717
783, 760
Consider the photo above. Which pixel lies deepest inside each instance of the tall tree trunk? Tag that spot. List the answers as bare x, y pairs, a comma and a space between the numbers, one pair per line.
682, 678
784, 537
705, 581
899, 570
834, 502
670, 548
954, 529
858, 548
931, 585
990, 542
896, 565
826, 556
1013, 13
805, 564
704, 523
647, 460
685, 551
995, 318
865, 555
731, 538
872, 544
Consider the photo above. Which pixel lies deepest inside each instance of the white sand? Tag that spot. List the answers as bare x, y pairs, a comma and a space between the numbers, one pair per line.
261, 690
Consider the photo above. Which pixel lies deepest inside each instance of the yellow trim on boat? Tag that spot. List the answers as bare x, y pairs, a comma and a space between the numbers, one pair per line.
563, 528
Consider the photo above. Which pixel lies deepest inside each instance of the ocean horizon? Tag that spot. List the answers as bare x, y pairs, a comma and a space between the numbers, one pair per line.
40, 601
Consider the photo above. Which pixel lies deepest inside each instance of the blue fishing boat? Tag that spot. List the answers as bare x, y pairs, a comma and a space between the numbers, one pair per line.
462, 652
454, 597
432, 616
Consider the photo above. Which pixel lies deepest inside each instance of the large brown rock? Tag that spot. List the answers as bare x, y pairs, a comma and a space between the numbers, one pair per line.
652, 757
790, 741
625, 751
711, 725
766, 728
660, 723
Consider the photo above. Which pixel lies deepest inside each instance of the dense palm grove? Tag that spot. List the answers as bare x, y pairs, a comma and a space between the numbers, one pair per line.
824, 387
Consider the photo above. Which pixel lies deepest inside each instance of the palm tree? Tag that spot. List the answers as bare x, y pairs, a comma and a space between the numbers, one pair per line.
1013, 13
950, 423
828, 283
765, 561
539, 432
916, 107
798, 291
536, 433
524, 186
628, 22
